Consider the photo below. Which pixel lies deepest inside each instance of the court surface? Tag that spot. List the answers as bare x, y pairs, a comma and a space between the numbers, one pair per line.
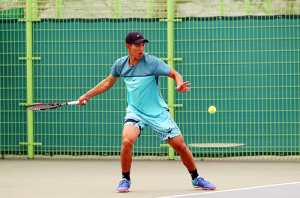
288, 190
43, 178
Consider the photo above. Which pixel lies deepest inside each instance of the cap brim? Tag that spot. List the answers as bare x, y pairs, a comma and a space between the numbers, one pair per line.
137, 42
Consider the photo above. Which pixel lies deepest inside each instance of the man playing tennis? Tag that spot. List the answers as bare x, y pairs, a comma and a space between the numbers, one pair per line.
140, 71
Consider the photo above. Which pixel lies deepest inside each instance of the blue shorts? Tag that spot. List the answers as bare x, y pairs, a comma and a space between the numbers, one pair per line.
163, 124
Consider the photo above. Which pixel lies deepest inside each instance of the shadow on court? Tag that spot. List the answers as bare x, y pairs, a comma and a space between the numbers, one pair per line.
43, 178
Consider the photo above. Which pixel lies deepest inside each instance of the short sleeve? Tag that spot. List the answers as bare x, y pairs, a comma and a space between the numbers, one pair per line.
114, 69
162, 69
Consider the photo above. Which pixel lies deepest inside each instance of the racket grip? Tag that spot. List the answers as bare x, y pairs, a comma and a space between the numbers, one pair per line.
73, 102
76, 102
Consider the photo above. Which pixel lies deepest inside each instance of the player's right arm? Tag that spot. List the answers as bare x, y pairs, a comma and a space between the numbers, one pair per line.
102, 87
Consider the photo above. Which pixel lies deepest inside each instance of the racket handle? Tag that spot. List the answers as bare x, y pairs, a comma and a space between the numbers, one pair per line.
73, 102
76, 102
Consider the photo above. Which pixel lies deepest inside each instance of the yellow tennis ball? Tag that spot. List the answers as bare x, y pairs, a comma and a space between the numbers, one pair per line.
212, 109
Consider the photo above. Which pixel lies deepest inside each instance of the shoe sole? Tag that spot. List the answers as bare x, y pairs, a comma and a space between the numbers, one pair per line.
123, 191
205, 188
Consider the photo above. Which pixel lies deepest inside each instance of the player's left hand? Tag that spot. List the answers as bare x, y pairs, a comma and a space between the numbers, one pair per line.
183, 87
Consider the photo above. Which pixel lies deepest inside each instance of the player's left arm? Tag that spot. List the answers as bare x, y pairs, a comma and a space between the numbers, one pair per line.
181, 86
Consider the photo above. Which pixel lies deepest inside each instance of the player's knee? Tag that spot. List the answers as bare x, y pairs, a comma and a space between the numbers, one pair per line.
127, 143
181, 149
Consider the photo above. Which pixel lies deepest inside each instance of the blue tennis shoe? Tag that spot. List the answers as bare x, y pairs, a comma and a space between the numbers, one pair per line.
124, 185
199, 182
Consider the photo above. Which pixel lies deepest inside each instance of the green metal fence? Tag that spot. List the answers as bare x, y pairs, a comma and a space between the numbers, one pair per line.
74, 61
12, 83
250, 72
245, 62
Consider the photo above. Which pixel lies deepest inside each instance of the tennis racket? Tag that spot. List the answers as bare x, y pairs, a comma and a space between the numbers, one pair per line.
47, 106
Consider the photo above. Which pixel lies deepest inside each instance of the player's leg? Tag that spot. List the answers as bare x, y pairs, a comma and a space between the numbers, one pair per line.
168, 130
130, 133
187, 159
180, 147
132, 129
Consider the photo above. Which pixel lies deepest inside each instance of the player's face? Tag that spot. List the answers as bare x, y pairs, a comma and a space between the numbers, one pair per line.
136, 50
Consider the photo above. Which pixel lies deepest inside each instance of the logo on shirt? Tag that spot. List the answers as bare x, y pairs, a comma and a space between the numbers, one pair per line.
133, 80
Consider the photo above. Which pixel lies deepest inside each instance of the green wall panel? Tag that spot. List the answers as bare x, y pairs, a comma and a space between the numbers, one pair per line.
248, 67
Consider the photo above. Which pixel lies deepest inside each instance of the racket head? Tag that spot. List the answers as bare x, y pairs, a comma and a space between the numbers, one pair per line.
43, 106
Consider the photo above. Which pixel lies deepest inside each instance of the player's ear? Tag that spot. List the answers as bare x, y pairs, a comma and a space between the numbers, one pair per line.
128, 46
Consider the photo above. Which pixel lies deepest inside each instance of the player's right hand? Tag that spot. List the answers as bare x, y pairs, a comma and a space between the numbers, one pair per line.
83, 100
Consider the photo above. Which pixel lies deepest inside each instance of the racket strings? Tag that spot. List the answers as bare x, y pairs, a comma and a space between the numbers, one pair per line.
43, 106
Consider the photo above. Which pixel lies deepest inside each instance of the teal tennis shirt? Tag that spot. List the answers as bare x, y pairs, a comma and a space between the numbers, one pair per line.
143, 91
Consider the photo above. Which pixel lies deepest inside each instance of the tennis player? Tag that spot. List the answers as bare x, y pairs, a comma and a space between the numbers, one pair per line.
146, 107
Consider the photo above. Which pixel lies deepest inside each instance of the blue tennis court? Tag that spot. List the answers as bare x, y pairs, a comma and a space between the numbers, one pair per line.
290, 190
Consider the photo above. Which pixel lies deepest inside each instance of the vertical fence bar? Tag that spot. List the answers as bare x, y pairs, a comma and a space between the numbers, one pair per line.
171, 83
117, 7
34, 10
269, 7
149, 8
58, 9
222, 7
247, 7
29, 78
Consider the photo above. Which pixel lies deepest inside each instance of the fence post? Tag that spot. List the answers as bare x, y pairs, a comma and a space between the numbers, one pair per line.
149, 9
247, 7
117, 9
171, 83
58, 9
29, 79
269, 7
222, 4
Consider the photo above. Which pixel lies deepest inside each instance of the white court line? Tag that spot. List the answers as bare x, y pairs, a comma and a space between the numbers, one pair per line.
232, 190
